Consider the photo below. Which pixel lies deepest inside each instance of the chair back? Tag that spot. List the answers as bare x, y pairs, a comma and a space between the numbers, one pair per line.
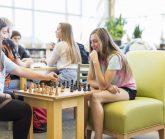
148, 69
82, 72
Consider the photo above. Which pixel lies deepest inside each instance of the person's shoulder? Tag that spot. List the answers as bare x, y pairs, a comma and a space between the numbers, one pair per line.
7, 41
115, 56
62, 45
20, 47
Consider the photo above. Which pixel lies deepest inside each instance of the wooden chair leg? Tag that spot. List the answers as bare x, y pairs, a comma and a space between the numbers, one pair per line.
162, 134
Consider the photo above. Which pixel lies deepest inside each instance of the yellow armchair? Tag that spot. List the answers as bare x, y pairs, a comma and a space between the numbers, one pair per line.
126, 119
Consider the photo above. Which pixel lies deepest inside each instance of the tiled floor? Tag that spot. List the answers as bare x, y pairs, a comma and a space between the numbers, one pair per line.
68, 129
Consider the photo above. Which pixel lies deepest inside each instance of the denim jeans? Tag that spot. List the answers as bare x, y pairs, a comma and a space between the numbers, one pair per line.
14, 85
68, 74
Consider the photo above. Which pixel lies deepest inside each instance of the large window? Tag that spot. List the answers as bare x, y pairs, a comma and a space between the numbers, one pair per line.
37, 19
149, 14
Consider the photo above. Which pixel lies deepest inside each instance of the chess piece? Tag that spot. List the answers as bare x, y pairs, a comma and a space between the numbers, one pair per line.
71, 88
30, 89
84, 87
46, 90
67, 84
75, 87
38, 91
35, 88
25, 88
59, 83
79, 87
51, 90
76, 84
43, 90
56, 88
89, 89
62, 88
64, 84
71, 82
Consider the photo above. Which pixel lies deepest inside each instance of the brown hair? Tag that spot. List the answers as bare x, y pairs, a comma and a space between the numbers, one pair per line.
67, 36
108, 48
15, 33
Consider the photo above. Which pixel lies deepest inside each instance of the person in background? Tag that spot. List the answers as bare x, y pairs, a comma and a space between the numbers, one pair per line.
138, 44
109, 74
24, 56
66, 53
11, 109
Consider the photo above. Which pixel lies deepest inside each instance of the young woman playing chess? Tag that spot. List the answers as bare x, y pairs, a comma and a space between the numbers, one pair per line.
14, 110
109, 74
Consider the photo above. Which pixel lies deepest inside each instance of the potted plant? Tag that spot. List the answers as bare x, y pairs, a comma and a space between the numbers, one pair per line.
115, 26
137, 33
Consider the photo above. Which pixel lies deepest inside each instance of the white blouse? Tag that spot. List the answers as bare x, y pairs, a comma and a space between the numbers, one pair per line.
59, 56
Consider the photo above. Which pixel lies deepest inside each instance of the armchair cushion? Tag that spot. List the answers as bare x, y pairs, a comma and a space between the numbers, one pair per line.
127, 116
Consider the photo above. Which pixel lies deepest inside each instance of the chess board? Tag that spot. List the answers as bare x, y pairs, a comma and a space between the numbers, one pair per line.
64, 94
55, 90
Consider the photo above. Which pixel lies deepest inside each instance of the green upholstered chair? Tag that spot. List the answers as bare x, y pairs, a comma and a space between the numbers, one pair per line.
127, 119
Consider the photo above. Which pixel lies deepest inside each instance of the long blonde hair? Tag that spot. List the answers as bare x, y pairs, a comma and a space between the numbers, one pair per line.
67, 36
108, 49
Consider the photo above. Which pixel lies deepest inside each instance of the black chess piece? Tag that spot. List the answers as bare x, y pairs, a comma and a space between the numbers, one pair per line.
71, 88
89, 88
67, 84
84, 87
75, 87
64, 84
71, 82
59, 84
79, 87
76, 83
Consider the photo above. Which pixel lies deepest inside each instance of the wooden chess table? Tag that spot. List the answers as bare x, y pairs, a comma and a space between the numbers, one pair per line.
54, 105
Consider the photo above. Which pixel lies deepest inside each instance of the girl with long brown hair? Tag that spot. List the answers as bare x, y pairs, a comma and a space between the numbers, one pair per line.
110, 74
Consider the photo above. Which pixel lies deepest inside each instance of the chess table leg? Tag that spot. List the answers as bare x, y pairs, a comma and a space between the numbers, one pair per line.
30, 136
54, 120
23, 81
80, 118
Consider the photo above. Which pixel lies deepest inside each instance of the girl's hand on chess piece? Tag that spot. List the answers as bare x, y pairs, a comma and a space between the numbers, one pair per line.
113, 89
52, 76
94, 56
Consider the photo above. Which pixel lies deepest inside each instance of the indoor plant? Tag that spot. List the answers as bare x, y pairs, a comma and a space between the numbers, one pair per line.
137, 33
115, 26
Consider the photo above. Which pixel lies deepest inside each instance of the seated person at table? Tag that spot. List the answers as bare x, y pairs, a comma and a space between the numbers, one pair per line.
66, 53
14, 110
10, 51
15, 82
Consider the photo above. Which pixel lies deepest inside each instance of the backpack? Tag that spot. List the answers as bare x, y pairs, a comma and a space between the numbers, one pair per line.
39, 120
84, 54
